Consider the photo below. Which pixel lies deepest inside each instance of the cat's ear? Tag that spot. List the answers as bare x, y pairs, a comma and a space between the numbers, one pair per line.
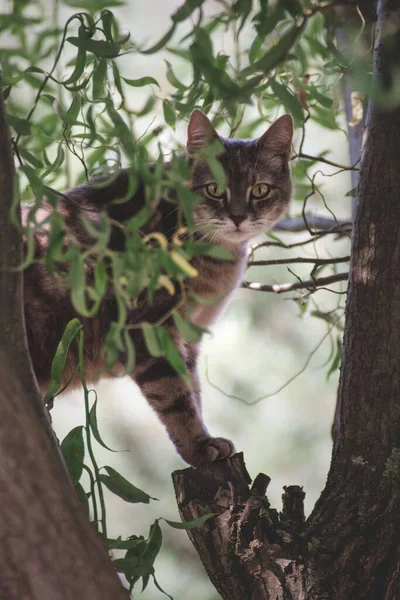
200, 131
278, 138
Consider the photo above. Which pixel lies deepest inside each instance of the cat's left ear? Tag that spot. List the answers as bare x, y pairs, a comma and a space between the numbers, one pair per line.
200, 131
278, 138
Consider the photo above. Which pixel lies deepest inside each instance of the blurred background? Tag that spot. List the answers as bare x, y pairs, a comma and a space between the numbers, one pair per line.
263, 368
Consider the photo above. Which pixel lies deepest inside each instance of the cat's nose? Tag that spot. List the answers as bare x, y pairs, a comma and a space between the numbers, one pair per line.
237, 219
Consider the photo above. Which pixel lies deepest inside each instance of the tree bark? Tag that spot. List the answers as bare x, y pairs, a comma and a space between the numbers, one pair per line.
349, 546
48, 548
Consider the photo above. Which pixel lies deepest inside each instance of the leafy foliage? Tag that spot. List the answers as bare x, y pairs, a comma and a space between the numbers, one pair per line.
67, 102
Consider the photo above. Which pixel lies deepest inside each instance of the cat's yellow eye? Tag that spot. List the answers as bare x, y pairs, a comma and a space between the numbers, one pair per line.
260, 190
214, 191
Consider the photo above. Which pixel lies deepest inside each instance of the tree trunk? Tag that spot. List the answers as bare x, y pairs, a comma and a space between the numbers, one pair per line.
48, 548
348, 548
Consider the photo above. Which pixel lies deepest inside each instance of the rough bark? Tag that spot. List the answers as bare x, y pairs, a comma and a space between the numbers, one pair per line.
349, 546
48, 548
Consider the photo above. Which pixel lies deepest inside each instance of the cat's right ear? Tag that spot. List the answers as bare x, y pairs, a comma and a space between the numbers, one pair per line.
200, 131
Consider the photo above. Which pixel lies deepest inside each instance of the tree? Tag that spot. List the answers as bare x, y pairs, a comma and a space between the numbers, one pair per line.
348, 546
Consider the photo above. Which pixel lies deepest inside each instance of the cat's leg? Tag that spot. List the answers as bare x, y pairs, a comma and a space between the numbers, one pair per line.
178, 407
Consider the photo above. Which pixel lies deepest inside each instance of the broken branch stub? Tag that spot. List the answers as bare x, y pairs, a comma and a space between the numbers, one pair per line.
249, 550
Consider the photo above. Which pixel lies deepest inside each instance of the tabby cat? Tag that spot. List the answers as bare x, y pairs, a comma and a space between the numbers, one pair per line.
257, 195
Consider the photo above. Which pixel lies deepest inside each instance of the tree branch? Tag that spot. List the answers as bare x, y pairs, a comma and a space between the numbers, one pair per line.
318, 262
321, 223
327, 161
48, 547
280, 288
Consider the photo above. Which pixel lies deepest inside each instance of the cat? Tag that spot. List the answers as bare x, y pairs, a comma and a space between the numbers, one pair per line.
257, 195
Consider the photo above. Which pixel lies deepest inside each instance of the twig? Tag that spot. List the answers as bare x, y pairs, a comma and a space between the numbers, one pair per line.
326, 161
323, 223
338, 230
298, 259
279, 288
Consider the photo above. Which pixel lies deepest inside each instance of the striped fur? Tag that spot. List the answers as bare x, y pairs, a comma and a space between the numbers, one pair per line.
232, 221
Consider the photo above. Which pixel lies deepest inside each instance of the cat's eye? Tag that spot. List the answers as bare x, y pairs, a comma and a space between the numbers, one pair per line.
260, 190
214, 191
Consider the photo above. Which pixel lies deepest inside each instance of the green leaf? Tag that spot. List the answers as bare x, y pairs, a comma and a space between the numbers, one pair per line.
337, 358
172, 78
121, 487
99, 76
171, 352
190, 331
82, 496
289, 100
186, 10
121, 130
94, 427
119, 544
30, 158
100, 48
21, 126
169, 113
73, 451
276, 54
351, 193
151, 339
191, 524
107, 19
164, 40
78, 69
60, 357
141, 81
73, 111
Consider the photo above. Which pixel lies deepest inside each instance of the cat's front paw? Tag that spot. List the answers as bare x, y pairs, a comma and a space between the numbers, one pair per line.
210, 450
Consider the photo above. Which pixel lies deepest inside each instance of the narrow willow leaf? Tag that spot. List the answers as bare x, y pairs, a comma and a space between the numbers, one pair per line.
60, 357
141, 81
190, 332
130, 353
73, 451
151, 339
94, 427
74, 109
100, 278
186, 10
100, 48
191, 524
183, 264
117, 81
30, 158
276, 54
171, 353
98, 79
107, 19
119, 544
121, 487
169, 113
289, 100
160, 588
164, 40
122, 130
217, 170
172, 78
337, 358
82, 496
21, 126
78, 69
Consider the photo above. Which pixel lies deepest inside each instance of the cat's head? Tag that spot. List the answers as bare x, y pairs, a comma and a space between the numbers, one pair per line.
258, 181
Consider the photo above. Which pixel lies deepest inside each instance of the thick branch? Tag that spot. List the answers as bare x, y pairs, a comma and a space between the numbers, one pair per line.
48, 548
248, 550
